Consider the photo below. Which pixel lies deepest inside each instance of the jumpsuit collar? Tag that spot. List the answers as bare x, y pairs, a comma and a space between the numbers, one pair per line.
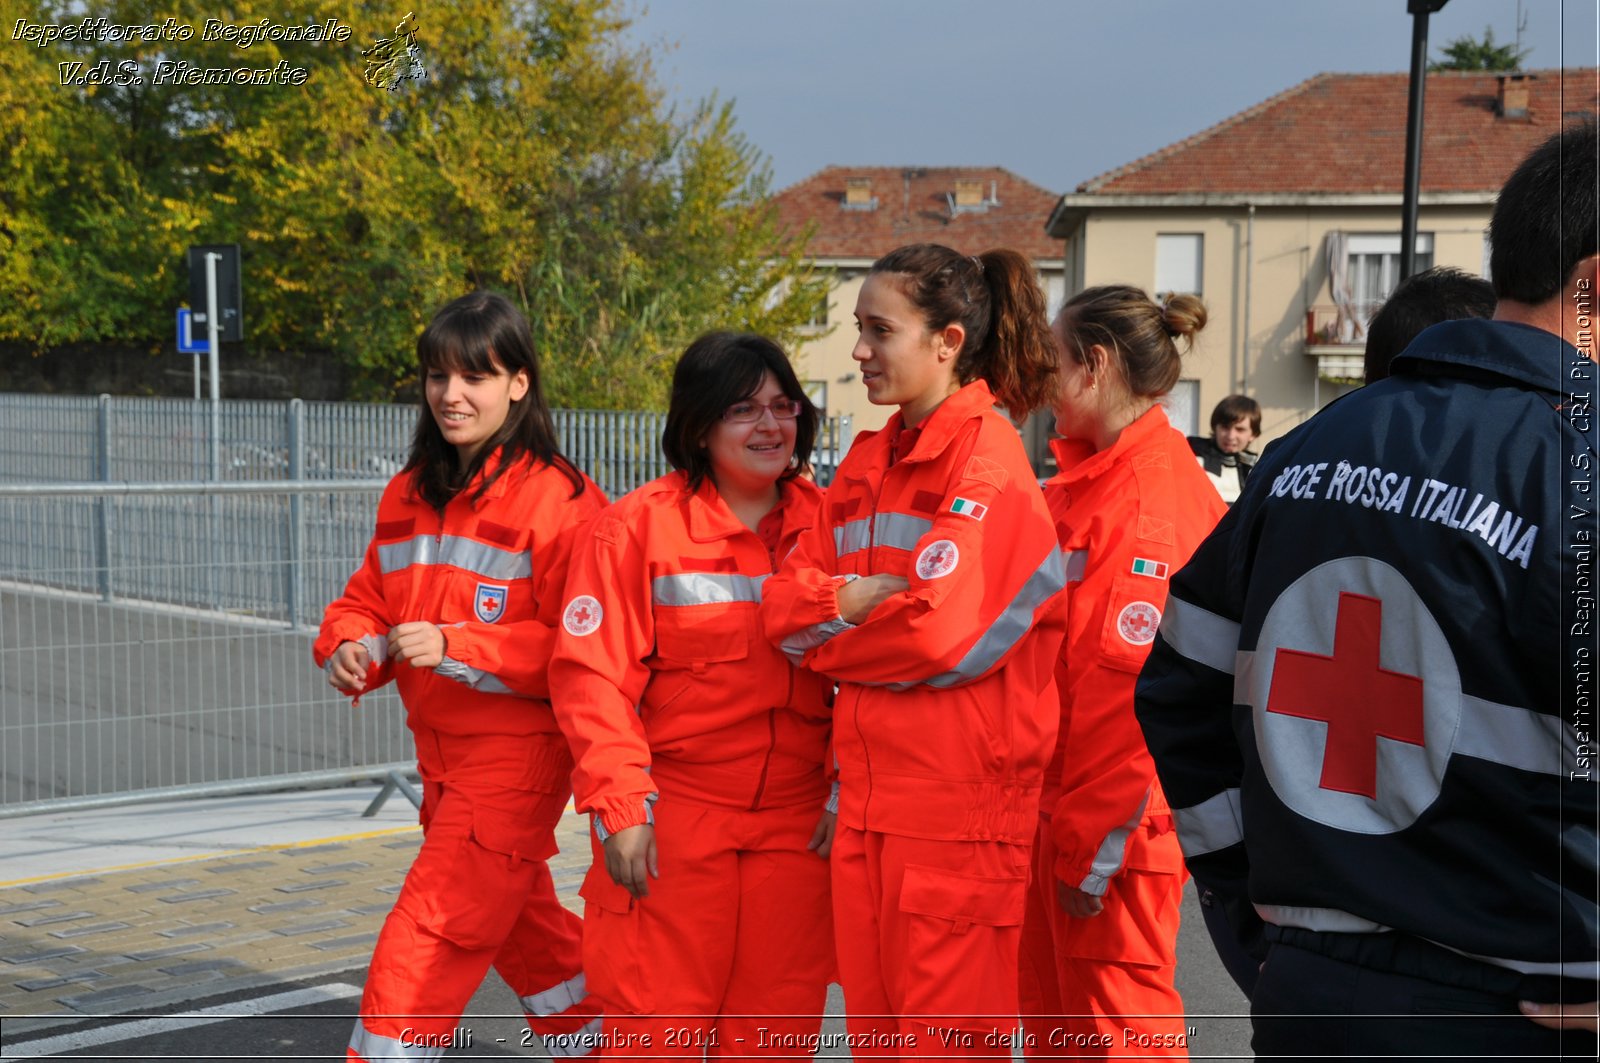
1078, 461
709, 517
940, 427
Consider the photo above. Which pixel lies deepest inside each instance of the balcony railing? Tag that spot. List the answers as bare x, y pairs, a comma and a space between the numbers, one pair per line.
1329, 326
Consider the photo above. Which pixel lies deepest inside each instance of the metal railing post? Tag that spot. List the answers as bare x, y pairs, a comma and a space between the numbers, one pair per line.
102, 517
297, 513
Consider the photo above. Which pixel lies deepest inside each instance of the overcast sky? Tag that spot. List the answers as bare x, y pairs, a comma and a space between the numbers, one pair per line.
1057, 91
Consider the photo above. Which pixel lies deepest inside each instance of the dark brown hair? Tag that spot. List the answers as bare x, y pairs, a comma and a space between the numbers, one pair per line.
716, 371
1136, 330
482, 333
1233, 407
995, 297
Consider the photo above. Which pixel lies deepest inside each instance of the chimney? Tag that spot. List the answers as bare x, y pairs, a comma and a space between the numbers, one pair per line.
1513, 98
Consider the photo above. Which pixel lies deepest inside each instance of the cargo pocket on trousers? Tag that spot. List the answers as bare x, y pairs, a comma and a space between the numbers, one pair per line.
958, 922
493, 872
611, 944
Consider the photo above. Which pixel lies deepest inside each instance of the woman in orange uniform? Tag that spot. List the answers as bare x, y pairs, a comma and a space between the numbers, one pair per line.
930, 592
700, 750
1130, 505
457, 602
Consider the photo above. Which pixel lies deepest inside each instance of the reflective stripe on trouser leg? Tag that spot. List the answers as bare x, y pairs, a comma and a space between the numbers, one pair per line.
542, 962
375, 1048
459, 905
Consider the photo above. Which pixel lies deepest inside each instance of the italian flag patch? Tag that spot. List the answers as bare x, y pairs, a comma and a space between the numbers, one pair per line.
1143, 566
975, 510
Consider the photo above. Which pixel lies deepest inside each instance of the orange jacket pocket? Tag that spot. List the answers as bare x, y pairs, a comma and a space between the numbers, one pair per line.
704, 634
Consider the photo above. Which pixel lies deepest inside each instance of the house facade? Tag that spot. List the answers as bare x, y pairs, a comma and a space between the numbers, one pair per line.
1286, 219
858, 214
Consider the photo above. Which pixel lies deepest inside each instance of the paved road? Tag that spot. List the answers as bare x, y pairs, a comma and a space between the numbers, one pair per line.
260, 954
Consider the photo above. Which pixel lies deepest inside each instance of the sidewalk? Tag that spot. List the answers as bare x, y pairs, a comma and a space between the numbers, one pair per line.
138, 909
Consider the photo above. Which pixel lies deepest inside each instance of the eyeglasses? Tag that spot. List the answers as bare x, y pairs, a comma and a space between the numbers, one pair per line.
784, 409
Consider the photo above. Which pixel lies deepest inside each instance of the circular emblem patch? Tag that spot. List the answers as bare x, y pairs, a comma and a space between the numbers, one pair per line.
938, 559
582, 616
1137, 623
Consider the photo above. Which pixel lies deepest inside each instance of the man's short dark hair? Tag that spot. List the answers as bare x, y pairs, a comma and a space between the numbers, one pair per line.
1230, 409
1544, 220
1442, 293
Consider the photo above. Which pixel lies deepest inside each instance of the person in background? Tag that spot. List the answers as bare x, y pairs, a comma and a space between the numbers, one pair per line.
457, 601
930, 590
1377, 671
1225, 455
1130, 506
700, 749
1442, 293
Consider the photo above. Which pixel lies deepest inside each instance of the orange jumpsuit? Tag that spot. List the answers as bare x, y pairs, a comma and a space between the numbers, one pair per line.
944, 721
495, 769
681, 715
1099, 986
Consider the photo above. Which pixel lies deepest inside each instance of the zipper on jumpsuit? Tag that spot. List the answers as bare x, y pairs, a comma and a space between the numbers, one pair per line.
772, 732
872, 544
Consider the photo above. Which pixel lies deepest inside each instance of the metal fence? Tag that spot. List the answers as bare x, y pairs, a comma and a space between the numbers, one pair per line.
149, 640
53, 439
163, 565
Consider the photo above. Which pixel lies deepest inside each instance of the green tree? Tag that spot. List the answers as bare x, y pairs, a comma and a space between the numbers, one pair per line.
538, 157
1470, 53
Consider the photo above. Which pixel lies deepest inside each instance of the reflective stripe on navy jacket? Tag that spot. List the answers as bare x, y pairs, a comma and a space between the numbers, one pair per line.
1397, 613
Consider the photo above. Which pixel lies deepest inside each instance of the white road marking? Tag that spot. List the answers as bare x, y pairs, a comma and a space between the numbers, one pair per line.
127, 1031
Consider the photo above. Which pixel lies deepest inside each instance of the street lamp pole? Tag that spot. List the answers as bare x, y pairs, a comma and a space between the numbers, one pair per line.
1419, 10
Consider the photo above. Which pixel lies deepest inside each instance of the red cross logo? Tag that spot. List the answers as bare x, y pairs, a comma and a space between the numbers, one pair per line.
1138, 622
1353, 694
938, 559
582, 615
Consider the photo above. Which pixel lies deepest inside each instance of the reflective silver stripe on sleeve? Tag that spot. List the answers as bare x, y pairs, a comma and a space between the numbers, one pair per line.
557, 998
476, 678
573, 1045
1077, 563
1108, 860
374, 1048
899, 530
795, 646
1200, 634
480, 559
1213, 824
377, 647
1014, 621
852, 536
1331, 920
705, 588
600, 832
833, 799
1517, 738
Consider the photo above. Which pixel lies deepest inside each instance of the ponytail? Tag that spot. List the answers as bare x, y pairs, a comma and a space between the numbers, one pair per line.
996, 300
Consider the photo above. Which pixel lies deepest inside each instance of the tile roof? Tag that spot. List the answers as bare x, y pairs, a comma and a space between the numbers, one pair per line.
1346, 134
914, 207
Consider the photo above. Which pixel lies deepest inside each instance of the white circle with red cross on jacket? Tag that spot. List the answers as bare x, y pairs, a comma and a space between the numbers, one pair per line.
937, 559
582, 616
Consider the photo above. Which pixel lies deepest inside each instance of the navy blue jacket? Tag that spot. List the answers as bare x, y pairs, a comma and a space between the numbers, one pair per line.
1372, 696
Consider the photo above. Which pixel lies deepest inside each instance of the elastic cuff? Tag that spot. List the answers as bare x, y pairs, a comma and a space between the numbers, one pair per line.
622, 817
